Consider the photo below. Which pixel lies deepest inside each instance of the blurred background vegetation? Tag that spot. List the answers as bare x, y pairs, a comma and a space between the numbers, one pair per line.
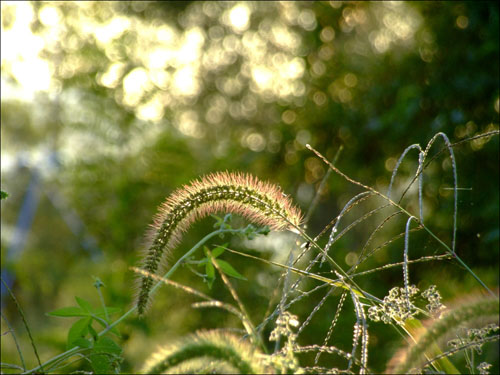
107, 107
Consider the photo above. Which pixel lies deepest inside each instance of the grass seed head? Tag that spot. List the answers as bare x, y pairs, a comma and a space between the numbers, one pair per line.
260, 202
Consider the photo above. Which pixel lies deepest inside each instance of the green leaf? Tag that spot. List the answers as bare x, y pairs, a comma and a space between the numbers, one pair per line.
210, 270
202, 262
113, 330
78, 331
219, 250
264, 230
107, 345
93, 332
85, 305
111, 310
69, 311
100, 363
3, 194
105, 352
229, 270
83, 343
218, 220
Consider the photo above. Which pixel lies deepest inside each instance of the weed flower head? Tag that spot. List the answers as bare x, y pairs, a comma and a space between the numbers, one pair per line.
260, 202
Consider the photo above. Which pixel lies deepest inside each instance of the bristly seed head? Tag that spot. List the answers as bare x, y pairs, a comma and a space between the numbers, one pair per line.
239, 193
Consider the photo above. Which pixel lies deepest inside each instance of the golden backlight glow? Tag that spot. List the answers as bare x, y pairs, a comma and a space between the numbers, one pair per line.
239, 17
153, 66
20, 50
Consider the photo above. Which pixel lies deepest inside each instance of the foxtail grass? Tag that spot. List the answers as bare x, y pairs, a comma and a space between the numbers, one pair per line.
260, 202
207, 346
417, 356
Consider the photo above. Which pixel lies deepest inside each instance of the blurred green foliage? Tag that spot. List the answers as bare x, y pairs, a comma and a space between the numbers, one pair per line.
142, 97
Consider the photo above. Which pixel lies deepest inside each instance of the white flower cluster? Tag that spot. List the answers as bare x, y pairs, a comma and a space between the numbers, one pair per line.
475, 336
397, 305
483, 368
285, 358
435, 307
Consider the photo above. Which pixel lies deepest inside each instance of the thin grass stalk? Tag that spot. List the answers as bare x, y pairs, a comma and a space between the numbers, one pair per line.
224, 306
284, 296
315, 201
406, 273
10, 366
437, 154
344, 209
356, 334
455, 181
362, 328
399, 264
163, 280
14, 337
357, 221
388, 242
334, 265
302, 295
398, 163
460, 348
314, 311
270, 305
408, 214
284, 277
98, 287
330, 350
319, 370
421, 159
209, 301
58, 369
70, 352
419, 174
341, 284
20, 310
257, 340
57, 365
353, 202
379, 227
366, 295
347, 207
484, 307
332, 324
334, 221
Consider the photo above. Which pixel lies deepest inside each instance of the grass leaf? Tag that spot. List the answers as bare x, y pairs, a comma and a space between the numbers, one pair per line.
105, 352
78, 331
70, 311
107, 345
210, 271
85, 305
229, 270
218, 250
110, 310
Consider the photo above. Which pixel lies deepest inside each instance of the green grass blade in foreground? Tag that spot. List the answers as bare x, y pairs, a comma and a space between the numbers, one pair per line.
465, 313
309, 274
